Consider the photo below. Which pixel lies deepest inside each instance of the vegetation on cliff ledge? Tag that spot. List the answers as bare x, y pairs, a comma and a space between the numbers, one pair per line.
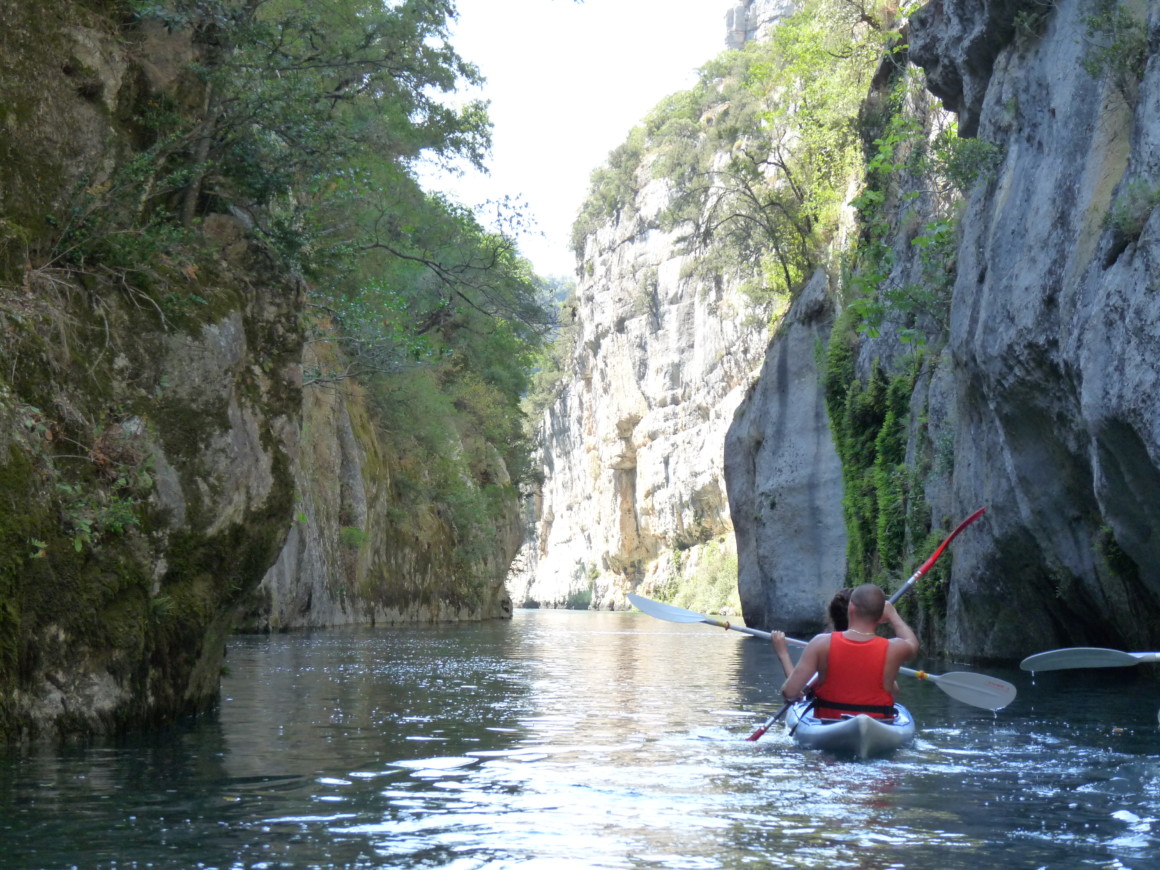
758, 155
230, 165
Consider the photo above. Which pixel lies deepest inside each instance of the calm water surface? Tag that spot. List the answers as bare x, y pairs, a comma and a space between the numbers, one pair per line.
586, 740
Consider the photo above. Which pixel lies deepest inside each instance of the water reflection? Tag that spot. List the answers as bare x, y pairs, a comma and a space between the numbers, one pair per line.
587, 740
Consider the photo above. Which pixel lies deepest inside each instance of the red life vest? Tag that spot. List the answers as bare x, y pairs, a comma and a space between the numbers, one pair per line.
854, 672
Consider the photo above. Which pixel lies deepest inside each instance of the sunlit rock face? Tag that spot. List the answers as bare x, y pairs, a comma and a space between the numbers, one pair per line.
785, 479
1055, 339
1043, 390
632, 451
753, 19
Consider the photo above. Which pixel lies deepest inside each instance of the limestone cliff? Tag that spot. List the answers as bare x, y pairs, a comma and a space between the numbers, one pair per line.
349, 559
753, 19
1039, 401
632, 451
785, 478
146, 437
1055, 330
160, 449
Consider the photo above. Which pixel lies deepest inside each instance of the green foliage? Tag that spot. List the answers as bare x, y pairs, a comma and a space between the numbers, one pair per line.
1116, 44
87, 517
110, 226
310, 118
1113, 558
1031, 17
102, 498
456, 437
915, 310
552, 370
612, 190
960, 162
581, 599
932, 591
711, 588
869, 422
352, 536
770, 207
757, 178
906, 166
307, 120
927, 302
1132, 208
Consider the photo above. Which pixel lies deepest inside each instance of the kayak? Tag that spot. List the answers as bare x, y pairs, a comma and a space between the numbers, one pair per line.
860, 735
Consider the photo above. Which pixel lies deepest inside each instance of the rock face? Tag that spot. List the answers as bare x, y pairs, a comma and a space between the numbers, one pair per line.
158, 452
753, 19
632, 451
785, 479
346, 561
1046, 394
956, 44
1056, 341
145, 441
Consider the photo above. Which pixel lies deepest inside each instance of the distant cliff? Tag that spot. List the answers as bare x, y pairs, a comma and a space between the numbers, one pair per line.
663, 345
753, 19
633, 494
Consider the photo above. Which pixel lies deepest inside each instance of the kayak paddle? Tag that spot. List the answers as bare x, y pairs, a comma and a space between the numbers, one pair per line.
978, 690
1085, 657
902, 590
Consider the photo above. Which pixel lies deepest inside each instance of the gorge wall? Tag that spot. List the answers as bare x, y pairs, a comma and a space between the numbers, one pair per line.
1027, 384
160, 453
1042, 403
347, 559
1055, 329
633, 494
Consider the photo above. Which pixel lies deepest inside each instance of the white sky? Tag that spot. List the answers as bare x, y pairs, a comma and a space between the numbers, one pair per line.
567, 81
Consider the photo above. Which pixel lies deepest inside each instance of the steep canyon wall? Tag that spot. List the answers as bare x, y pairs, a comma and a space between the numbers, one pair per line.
1027, 386
633, 491
160, 453
1055, 330
1041, 402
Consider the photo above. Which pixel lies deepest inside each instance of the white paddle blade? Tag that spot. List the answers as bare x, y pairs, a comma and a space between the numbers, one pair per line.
1079, 657
667, 612
978, 690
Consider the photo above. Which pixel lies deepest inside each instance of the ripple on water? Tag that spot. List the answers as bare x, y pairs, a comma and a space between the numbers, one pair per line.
586, 744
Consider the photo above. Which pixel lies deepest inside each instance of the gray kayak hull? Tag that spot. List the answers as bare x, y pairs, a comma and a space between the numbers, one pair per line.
860, 735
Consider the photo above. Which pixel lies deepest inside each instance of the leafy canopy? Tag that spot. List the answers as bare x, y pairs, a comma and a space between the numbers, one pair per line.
758, 154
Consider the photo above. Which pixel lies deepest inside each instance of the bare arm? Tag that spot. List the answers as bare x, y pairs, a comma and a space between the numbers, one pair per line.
782, 649
813, 661
903, 646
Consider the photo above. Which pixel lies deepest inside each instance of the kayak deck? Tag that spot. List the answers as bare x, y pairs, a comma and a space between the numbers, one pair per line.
860, 735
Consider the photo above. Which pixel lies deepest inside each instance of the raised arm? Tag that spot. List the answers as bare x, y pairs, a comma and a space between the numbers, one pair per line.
777, 639
903, 646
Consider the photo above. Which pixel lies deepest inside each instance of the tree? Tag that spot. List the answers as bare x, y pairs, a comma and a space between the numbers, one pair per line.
759, 152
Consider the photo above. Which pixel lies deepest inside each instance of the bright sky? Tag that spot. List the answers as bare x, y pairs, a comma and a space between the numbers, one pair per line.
567, 81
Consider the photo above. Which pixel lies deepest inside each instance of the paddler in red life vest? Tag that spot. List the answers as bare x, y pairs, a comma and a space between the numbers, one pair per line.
855, 668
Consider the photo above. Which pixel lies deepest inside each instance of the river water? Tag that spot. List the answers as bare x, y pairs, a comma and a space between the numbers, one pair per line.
567, 739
